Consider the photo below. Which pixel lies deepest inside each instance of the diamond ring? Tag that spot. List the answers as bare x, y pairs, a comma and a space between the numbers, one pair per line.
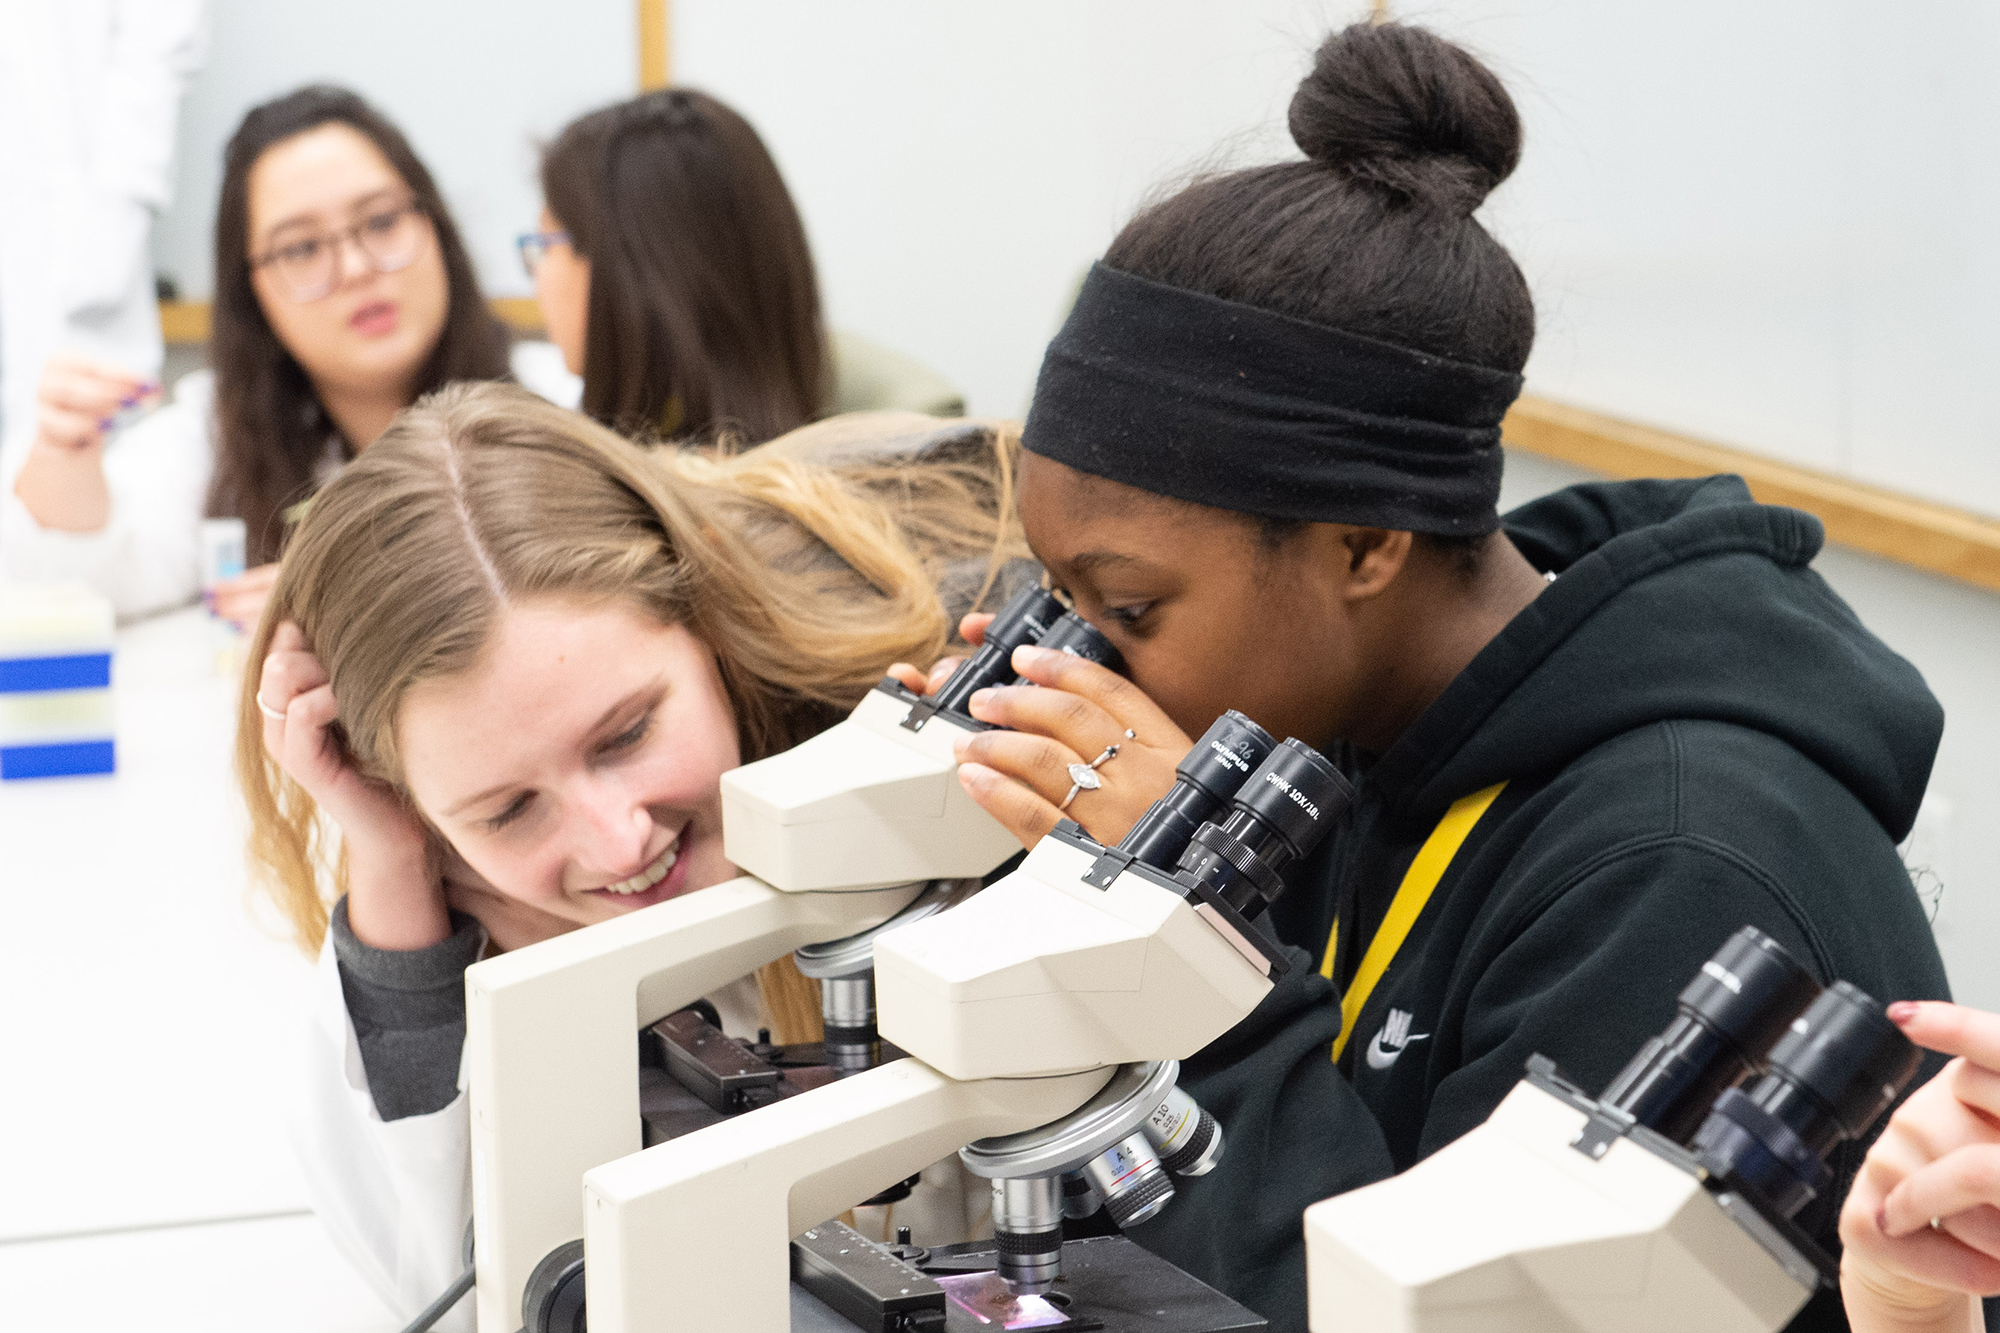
1083, 777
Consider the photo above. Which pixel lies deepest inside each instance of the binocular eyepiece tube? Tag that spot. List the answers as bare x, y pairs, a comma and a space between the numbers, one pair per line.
1280, 814
1028, 616
1762, 1074
1076, 636
1829, 1078
1213, 771
1740, 1002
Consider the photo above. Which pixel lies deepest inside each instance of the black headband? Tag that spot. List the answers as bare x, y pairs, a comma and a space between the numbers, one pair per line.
1237, 407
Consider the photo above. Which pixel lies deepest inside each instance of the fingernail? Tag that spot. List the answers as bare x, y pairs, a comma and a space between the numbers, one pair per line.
980, 698
958, 747
131, 399
1902, 1011
104, 424
1029, 655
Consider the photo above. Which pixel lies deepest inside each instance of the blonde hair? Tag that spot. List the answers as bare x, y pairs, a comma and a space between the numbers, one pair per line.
806, 581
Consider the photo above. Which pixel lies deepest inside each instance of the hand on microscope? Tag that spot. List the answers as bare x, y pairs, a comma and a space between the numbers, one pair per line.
1074, 713
1921, 1228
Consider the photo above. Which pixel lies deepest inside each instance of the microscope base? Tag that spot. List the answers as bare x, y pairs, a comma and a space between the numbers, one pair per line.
1110, 1284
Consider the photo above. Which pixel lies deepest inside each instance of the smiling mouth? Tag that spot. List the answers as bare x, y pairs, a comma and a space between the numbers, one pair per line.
651, 875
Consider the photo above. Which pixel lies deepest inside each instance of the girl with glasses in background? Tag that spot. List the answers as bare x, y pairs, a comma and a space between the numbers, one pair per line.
342, 293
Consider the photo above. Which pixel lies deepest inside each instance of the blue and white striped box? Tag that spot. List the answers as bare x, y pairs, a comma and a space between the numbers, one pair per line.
55, 682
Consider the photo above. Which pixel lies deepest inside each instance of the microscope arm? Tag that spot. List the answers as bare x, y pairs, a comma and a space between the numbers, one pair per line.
695, 1233
551, 1041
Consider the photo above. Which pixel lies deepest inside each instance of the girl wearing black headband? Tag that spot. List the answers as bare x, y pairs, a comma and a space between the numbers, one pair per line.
1264, 458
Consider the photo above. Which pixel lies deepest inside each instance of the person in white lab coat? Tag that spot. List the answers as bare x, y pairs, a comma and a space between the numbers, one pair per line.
343, 292
548, 645
90, 91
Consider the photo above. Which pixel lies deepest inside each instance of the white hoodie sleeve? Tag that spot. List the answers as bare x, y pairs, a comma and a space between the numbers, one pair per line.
394, 1195
147, 555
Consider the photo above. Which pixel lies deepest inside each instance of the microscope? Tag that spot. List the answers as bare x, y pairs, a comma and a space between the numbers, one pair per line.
860, 826
1665, 1203
1043, 1018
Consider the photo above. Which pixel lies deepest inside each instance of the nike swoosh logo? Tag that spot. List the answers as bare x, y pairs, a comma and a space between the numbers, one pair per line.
1378, 1058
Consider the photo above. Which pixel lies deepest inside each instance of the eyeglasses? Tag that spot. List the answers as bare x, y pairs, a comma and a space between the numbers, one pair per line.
533, 245
390, 238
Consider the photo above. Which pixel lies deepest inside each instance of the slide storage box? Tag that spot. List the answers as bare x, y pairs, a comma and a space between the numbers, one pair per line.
55, 682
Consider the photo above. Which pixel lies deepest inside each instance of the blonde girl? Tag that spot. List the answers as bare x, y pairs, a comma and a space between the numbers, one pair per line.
506, 661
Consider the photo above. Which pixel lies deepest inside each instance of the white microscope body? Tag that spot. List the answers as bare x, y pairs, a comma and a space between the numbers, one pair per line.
1663, 1205
1018, 1007
1512, 1230
841, 833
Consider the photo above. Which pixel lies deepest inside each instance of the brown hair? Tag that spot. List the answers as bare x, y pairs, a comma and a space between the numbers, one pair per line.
704, 314
270, 430
806, 581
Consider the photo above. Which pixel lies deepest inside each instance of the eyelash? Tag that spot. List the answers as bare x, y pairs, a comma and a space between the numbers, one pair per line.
1128, 616
623, 741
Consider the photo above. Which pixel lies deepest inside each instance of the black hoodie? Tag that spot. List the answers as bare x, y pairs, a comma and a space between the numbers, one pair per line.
1696, 734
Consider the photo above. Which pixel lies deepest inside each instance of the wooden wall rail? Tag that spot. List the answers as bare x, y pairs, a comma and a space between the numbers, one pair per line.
187, 321
1915, 532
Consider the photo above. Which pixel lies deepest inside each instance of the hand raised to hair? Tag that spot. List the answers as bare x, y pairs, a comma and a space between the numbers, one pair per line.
395, 895
1939, 1157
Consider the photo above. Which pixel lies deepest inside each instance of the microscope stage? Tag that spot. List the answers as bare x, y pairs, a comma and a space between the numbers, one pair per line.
1108, 1284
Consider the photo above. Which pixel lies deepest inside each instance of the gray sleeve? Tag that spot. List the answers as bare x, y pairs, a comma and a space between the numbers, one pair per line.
408, 1009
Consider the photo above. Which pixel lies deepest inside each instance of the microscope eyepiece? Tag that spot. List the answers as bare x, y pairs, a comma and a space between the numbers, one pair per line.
1740, 1002
1213, 771
1027, 617
1830, 1077
1079, 638
1279, 815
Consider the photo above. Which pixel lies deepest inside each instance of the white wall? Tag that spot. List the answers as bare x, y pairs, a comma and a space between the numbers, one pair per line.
474, 87
959, 166
1765, 224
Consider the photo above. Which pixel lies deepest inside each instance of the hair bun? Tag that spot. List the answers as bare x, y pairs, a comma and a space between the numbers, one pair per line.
1401, 109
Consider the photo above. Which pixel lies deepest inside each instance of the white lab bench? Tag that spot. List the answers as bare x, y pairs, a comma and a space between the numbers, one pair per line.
149, 1016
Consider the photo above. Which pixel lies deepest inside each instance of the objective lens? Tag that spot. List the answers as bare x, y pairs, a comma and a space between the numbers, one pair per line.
1740, 1002
847, 1013
1280, 814
1027, 1232
1079, 1200
1186, 1137
1079, 638
1838, 1067
1213, 771
1026, 618
1128, 1177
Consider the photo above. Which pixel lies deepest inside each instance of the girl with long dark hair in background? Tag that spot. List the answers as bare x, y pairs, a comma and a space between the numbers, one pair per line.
673, 272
